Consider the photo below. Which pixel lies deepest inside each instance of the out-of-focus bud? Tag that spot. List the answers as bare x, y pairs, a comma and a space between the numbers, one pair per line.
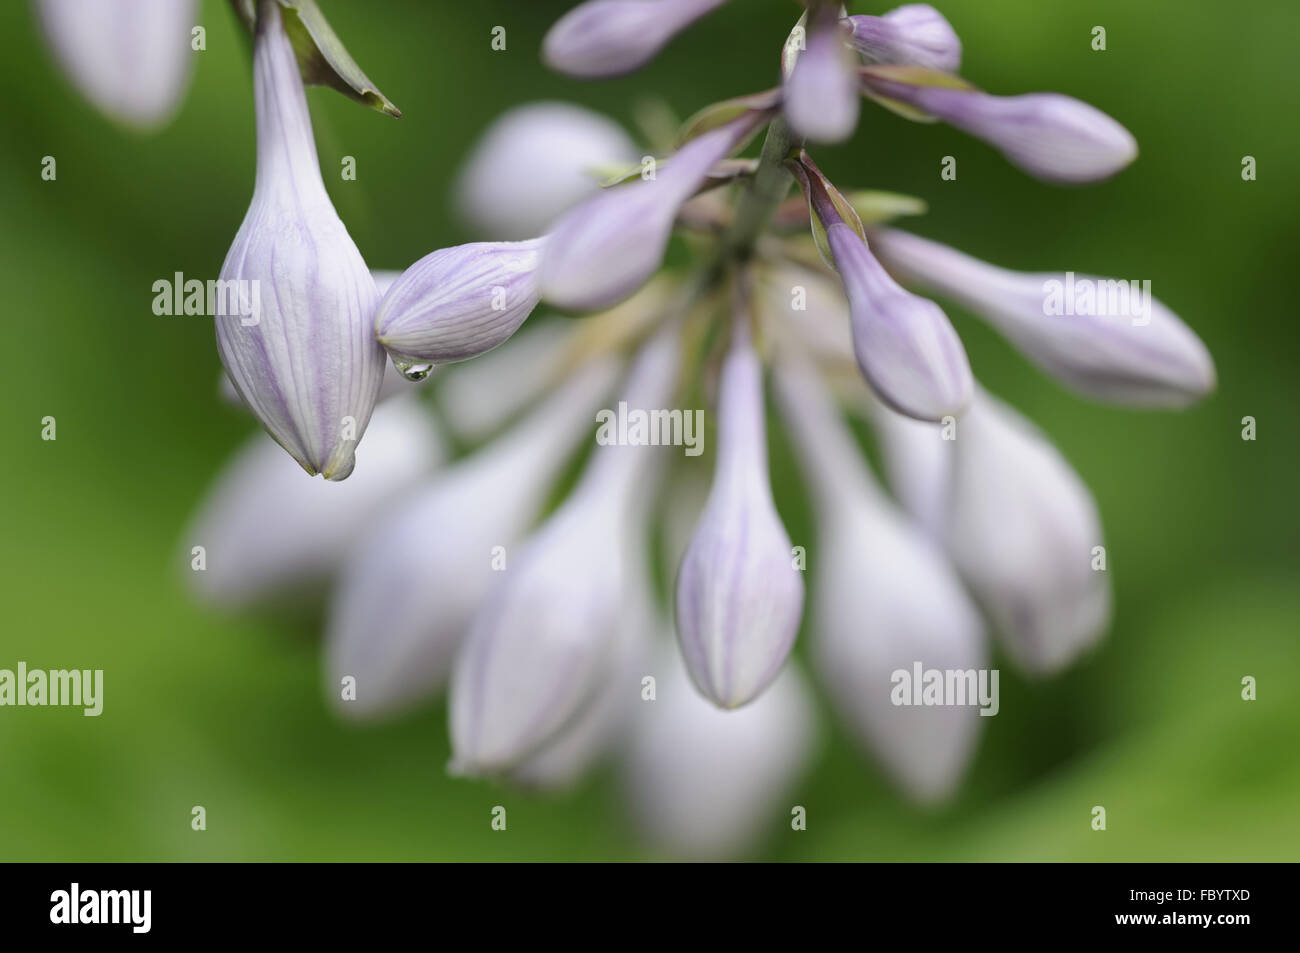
458, 303
1053, 137
806, 310
303, 357
533, 163
412, 585
1024, 532
917, 461
130, 58
611, 37
1119, 344
912, 35
739, 597
268, 535
885, 602
603, 250
545, 642
821, 98
704, 782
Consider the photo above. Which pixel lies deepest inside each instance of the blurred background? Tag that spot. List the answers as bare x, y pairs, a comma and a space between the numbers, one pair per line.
1203, 528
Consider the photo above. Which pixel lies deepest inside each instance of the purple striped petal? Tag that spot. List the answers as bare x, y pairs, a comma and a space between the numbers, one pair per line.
612, 37
913, 35
1146, 359
460, 302
305, 362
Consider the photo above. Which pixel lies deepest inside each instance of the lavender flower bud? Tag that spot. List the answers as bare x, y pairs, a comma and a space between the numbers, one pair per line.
1053, 137
458, 303
535, 162
1141, 354
130, 58
905, 345
915, 34
610, 245
821, 98
611, 37
270, 536
306, 362
1024, 532
410, 590
885, 599
543, 644
739, 596
704, 782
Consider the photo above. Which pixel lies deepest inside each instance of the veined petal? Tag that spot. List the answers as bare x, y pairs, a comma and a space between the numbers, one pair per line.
603, 250
1023, 530
410, 590
612, 37
739, 597
268, 535
130, 58
885, 599
1051, 136
915, 34
1141, 354
820, 98
533, 163
460, 302
305, 360
905, 345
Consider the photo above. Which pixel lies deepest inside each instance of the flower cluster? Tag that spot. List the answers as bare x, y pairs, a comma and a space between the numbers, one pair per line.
547, 634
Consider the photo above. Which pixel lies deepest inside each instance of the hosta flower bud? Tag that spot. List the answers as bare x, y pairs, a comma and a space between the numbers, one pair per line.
917, 461
535, 162
885, 599
612, 37
306, 361
915, 34
131, 58
1140, 353
457, 303
806, 309
543, 643
705, 783
1053, 137
739, 596
411, 587
906, 347
610, 245
821, 98
1024, 532
268, 535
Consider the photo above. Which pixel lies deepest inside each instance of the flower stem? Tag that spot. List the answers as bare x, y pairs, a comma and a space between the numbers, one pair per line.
764, 192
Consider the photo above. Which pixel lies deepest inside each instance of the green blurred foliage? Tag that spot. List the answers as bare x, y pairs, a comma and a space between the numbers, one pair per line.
228, 713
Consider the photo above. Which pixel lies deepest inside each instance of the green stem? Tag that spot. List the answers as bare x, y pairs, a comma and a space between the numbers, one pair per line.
764, 192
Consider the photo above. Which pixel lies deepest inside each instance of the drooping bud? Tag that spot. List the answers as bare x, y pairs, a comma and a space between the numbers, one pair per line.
611, 37
1053, 137
1023, 530
821, 99
544, 642
1120, 345
885, 602
607, 247
915, 34
906, 348
704, 783
408, 593
130, 58
304, 360
270, 536
458, 303
535, 162
739, 595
